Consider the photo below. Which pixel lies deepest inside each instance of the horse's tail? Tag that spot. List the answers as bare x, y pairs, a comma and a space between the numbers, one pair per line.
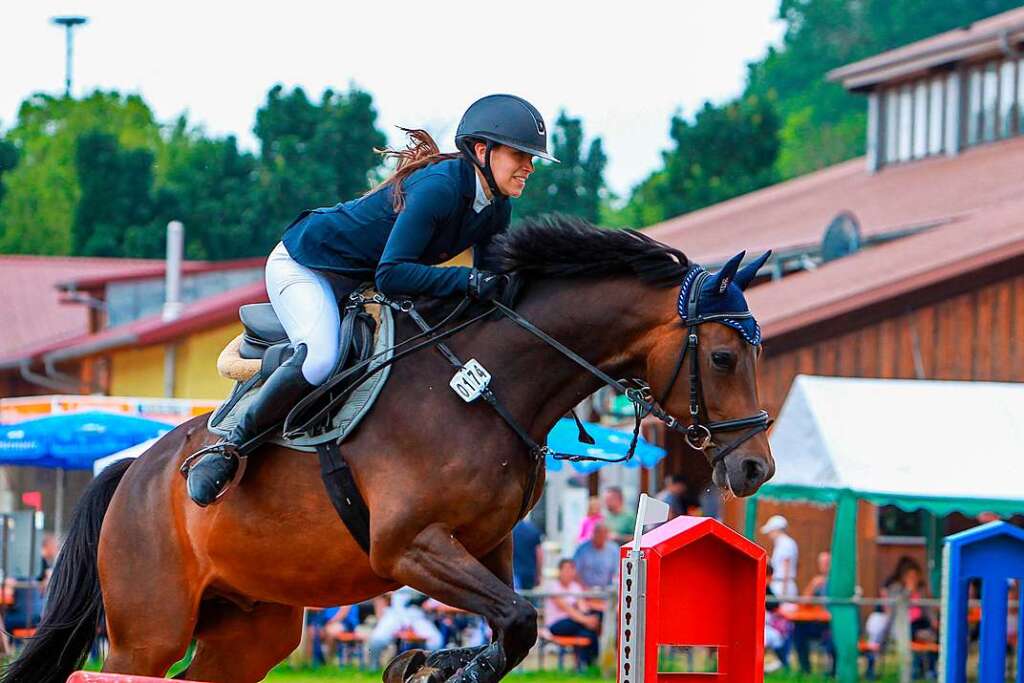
74, 604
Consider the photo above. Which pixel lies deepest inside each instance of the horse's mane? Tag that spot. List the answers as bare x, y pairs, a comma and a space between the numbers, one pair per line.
560, 246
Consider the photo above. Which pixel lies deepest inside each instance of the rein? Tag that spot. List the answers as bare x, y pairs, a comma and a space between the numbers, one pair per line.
698, 434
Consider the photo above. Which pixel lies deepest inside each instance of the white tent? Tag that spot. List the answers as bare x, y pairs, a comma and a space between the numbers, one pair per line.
937, 445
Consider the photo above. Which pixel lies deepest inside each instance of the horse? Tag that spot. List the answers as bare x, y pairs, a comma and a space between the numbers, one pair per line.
444, 480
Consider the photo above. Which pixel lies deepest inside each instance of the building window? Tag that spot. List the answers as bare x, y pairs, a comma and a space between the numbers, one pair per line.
1020, 96
892, 113
920, 119
935, 105
974, 106
1007, 98
906, 124
990, 89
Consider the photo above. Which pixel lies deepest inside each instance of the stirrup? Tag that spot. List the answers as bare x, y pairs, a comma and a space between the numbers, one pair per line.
228, 450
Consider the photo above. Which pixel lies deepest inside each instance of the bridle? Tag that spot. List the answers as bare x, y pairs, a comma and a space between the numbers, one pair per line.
699, 433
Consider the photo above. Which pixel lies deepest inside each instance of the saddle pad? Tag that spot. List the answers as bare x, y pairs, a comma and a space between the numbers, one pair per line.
348, 416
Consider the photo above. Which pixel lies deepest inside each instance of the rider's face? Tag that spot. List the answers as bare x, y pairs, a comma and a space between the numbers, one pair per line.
510, 167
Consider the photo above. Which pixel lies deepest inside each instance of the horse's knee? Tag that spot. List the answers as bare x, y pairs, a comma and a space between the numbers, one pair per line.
522, 625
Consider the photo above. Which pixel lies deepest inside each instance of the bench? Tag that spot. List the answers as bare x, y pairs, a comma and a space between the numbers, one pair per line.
564, 645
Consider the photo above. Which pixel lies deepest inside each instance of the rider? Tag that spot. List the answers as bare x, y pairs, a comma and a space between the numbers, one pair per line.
433, 207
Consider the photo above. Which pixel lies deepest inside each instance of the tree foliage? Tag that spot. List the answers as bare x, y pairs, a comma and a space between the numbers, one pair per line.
99, 176
812, 122
42, 192
574, 186
725, 151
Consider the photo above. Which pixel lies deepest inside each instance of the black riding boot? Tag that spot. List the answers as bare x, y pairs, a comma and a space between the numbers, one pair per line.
218, 464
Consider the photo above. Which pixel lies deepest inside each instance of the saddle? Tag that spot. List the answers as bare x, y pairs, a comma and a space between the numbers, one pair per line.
251, 357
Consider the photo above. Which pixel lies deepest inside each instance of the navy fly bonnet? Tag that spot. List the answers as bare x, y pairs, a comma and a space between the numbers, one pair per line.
718, 297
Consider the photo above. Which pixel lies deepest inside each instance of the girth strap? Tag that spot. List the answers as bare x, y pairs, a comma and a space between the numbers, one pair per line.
344, 495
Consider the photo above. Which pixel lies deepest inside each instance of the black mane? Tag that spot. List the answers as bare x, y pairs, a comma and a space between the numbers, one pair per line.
565, 246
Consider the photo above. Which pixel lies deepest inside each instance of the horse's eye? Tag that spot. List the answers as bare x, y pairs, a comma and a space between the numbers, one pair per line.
723, 360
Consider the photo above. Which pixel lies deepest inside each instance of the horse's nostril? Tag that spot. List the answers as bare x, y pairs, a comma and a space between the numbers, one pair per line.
753, 469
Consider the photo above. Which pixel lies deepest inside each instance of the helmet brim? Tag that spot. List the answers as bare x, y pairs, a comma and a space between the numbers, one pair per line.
498, 139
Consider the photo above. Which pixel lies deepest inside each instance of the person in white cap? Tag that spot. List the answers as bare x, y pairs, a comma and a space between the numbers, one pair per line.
784, 556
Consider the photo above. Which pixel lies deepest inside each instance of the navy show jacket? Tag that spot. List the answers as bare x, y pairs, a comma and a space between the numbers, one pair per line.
365, 239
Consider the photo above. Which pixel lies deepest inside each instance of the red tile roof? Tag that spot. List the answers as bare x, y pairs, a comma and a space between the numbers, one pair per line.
990, 36
29, 303
794, 214
986, 240
214, 310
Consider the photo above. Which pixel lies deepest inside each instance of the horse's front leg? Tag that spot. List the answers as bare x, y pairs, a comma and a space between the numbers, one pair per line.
435, 563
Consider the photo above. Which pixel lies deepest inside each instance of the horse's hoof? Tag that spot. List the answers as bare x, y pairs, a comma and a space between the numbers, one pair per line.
401, 668
427, 674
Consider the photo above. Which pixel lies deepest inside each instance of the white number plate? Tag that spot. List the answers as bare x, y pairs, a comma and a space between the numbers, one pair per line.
470, 381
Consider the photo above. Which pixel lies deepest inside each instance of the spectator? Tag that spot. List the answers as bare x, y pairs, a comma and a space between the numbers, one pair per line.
527, 554
593, 517
785, 555
711, 502
326, 626
777, 629
567, 615
49, 556
908, 581
597, 560
676, 495
804, 632
621, 521
402, 614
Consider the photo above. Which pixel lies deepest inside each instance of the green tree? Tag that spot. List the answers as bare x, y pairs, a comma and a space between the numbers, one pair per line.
8, 160
213, 188
114, 213
724, 152
574, 186
314, 154
42, 191
822, 124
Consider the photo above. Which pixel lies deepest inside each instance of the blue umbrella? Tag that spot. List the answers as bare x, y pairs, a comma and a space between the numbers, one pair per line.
72, 441
608, 444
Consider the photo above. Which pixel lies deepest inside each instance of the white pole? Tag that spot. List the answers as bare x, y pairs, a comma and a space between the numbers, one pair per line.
172, 296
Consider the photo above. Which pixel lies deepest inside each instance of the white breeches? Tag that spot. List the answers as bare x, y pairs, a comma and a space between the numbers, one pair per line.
307, 308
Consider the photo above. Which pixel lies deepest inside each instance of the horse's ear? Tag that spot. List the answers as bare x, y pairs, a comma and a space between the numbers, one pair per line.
748, 272
720, 280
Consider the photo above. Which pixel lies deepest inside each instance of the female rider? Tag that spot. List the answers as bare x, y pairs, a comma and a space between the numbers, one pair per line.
433, 207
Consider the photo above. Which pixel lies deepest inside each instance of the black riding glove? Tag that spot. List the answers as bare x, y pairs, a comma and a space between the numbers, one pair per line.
485, 285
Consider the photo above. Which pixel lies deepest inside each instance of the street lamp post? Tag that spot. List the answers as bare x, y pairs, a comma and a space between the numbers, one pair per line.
69, 23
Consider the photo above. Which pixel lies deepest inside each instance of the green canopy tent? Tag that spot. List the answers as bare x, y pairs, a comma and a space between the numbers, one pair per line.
935, 446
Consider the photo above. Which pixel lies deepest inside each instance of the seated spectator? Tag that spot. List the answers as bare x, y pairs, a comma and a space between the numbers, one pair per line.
527, 555
402, 613
804, 632
566, 615
621, 520
908, 580
777, 629
593, 517
325, 627
597, 560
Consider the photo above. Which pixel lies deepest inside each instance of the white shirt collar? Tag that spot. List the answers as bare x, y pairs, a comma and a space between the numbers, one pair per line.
480, 201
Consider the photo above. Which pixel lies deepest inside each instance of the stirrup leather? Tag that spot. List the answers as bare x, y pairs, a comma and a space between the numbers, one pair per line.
227, 450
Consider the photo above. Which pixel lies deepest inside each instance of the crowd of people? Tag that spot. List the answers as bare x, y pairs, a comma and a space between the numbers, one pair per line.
785, 632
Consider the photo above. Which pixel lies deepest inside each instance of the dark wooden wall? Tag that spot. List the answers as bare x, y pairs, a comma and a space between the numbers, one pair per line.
976, 335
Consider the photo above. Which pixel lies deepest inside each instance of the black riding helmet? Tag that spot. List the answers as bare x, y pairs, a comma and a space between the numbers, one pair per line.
502, 120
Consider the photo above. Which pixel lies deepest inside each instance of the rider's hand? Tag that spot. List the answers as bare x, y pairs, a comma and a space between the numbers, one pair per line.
485, 285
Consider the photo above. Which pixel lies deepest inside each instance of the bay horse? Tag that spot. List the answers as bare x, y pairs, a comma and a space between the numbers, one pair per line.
444, 481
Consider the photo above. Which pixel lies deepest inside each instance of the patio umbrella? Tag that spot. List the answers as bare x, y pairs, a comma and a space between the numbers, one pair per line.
72, 441
608, 444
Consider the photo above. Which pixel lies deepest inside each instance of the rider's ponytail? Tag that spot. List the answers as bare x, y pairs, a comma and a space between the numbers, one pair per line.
419, 152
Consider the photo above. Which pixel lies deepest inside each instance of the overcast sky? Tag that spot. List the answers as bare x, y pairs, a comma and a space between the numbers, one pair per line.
623, 66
